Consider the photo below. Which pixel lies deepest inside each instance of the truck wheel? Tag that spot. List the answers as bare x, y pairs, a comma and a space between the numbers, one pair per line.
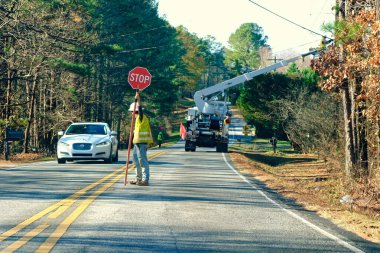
225, 147
217, 147
222, 147
187, 146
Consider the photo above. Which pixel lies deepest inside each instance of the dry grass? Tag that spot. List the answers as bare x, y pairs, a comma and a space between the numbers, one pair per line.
21, 158
317, 186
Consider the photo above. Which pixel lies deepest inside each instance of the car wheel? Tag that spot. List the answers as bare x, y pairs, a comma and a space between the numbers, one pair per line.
61, 161
116, 158
109, 159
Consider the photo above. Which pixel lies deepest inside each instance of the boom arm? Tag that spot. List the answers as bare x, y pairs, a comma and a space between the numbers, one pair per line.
199, 95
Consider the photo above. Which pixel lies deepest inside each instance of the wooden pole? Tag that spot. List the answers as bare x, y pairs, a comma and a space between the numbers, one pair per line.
130, 140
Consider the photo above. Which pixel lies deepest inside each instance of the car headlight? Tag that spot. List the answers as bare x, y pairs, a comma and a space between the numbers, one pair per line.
104, 143
64, 144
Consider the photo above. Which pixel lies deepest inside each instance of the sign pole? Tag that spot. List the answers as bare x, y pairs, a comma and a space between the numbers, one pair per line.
130, 139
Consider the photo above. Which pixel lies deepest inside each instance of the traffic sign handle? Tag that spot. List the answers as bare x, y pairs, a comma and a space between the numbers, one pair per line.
130, 139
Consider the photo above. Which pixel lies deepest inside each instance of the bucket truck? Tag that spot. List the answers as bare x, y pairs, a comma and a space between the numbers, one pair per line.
207, 122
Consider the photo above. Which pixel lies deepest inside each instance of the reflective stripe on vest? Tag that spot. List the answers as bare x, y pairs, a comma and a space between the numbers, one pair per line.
142, 133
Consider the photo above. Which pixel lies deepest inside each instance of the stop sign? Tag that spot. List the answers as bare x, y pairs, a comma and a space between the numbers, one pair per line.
139, 78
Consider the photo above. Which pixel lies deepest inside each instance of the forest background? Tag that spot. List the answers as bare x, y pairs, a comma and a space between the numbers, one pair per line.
68, 61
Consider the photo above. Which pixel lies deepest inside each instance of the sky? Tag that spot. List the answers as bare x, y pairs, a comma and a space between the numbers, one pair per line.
221, 18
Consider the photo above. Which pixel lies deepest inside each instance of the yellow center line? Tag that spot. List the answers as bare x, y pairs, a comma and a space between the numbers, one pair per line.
50, 242
64, 204
51, 208
27, 222
18, 244
70, 202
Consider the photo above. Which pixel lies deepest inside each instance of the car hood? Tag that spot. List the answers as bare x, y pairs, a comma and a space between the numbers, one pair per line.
84, 138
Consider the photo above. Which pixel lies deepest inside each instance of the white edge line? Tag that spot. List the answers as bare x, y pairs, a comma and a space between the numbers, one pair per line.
309, 224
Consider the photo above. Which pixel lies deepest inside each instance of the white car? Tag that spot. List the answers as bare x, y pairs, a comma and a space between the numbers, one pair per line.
87, 141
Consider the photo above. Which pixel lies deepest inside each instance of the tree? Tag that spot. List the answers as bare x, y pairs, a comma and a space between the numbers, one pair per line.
268, 99
194, 60
213, 53
245, 46
255, 100
350, 68
67, 61
310, 118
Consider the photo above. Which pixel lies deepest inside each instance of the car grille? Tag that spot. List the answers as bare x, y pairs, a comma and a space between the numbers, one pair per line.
77, 154
82, 146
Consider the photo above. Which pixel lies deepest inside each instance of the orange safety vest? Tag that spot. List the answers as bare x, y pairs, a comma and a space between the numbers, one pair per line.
142, 133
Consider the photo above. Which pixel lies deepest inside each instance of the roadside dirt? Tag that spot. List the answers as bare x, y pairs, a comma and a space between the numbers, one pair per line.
316, 186
20, 158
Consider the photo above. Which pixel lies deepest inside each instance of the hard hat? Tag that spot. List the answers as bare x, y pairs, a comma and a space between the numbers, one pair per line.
133, 106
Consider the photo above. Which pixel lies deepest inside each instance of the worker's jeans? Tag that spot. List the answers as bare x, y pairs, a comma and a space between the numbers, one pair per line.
140, 159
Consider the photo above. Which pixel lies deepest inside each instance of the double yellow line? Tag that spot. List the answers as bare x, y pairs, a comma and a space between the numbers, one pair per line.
59, 208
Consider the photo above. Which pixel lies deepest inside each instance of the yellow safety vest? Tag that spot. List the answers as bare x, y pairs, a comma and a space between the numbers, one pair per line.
142, 133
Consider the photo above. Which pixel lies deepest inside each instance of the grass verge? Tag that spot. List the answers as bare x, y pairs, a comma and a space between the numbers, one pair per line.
309, 181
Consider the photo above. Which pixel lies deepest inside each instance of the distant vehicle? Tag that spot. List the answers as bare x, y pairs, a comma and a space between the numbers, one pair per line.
87, 141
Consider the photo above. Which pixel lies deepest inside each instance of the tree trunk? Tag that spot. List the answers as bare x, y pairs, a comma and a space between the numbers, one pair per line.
8, 95
378, 145
349, 142
363, 142
30, 114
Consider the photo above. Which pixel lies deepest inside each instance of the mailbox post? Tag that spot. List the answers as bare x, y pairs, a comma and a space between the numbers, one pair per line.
11, 135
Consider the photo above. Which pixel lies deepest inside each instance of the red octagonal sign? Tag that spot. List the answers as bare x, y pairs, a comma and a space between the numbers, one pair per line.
139, 78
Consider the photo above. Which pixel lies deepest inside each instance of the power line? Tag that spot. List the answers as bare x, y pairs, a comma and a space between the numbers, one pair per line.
142, 49
294, 23
284, 50
320, 12
144, 31
149, 30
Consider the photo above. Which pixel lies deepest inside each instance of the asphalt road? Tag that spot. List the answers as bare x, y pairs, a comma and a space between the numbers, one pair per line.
196, 202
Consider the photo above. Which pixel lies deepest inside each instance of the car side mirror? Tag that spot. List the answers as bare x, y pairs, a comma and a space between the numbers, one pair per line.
113, 133
60, 133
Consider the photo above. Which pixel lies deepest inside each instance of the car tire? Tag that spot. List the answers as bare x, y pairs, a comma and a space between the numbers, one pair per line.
116, 158
109, 159
61, 161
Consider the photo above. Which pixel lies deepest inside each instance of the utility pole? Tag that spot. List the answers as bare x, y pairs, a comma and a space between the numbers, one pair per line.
275, 58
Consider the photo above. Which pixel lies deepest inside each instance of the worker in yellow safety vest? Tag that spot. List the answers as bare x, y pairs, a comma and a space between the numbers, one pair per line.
142, 137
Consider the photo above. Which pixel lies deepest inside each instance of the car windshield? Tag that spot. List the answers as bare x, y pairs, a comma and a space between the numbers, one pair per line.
86, 129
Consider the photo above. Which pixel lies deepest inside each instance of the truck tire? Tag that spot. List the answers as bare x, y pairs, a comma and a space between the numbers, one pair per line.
222, 147
225, 147
189, 146
218, 147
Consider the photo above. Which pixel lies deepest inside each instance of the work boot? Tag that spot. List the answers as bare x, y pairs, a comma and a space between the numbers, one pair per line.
143, 183
134, 181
